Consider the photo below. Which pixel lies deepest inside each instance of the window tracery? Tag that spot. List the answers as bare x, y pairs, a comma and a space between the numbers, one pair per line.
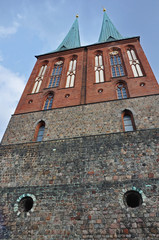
56, 74
134, 63
99, 69
116, 64
39, 78
71, 73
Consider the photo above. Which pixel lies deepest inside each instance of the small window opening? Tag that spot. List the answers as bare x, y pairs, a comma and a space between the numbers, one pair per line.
128, 121
121, 91
26, 204
142, 84
100, 90
39, 132
48, 102
133, 199
67, 95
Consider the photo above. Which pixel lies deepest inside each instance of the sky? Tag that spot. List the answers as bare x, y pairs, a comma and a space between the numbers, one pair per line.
33, 27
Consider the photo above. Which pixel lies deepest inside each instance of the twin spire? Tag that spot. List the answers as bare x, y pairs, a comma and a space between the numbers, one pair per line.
72, 39
108, 33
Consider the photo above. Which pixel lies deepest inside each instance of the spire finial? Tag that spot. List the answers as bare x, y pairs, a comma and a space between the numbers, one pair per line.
104, 9
77, 16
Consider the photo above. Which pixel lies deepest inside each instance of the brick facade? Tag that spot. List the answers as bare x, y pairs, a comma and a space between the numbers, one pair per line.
85, 89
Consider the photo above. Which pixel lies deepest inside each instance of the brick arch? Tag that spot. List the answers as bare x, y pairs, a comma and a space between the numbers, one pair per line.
58, 59
47, 94
130, 46
43, 62
98, 52
111, 49
74, 56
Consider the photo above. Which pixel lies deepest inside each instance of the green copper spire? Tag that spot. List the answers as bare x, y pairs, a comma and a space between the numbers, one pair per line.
108, 32
72, 39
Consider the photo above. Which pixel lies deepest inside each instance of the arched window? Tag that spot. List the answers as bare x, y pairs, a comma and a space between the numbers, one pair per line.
39, 79
39, 131
71, 74
49, 101
134, 63
99, 69
56, 74
116, 64
128, 121
121, 91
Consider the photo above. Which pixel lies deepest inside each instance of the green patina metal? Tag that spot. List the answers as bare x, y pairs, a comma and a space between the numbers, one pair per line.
108, 32
72, 39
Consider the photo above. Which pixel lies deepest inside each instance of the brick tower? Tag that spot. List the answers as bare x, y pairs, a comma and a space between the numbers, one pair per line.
79, 156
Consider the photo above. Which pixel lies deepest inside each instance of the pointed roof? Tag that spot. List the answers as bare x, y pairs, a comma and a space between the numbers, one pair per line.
108, 32
72, 39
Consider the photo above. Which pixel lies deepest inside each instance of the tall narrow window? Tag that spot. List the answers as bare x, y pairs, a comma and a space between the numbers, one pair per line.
116, 64
49, 101
40, 131
56, 74
39, 79
128, 121
121, 91
134, 62
99, 69
71, 74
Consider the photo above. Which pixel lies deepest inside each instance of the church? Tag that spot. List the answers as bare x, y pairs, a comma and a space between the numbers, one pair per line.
79, 158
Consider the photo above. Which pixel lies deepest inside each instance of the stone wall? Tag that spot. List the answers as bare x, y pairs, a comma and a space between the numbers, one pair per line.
91, 119
78, 187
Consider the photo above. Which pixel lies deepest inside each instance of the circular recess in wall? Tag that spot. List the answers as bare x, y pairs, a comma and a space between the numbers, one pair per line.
100, 90
67, 95
26, 204
142, 84
30, 101
133, 199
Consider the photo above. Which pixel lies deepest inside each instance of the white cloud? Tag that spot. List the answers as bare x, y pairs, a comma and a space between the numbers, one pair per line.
6, 31
11, 87
19, 16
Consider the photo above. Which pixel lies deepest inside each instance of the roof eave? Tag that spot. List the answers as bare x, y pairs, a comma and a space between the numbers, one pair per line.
138, 37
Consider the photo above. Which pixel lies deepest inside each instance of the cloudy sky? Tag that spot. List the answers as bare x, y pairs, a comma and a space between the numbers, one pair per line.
32, 27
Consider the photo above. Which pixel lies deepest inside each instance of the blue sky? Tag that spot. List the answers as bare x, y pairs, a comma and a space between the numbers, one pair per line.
32, 27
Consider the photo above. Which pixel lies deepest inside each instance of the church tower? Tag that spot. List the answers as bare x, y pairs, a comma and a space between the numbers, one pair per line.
79, 158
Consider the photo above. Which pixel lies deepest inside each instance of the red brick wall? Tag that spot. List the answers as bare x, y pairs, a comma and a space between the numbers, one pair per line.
85, 89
